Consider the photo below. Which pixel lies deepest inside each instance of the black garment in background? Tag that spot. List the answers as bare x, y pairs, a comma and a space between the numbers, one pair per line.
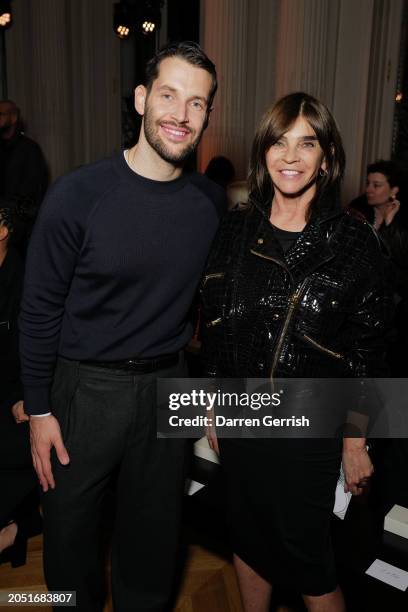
11, 282
24, 179
391, 456
108, 423
17, 477
23, 169
395, 238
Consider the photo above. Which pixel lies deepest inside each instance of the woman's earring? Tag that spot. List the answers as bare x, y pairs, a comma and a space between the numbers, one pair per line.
322, 172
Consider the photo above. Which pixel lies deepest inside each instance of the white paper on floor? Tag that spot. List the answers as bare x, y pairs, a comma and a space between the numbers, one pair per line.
389, 574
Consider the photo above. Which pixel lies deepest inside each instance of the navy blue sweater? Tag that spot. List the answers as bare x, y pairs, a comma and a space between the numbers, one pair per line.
112, 268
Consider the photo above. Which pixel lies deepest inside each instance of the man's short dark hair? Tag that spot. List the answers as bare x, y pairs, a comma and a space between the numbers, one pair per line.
189, 51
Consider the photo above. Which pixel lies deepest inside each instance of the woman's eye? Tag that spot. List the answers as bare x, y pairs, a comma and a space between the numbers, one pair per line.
278, 143
308, 144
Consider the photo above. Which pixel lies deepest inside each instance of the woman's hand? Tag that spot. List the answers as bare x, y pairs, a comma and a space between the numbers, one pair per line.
357, 465
18, 412
211, 433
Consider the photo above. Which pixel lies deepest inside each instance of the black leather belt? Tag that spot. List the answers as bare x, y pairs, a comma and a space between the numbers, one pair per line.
138, 365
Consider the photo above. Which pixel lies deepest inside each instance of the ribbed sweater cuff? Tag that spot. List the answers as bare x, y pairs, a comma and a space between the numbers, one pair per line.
37, 400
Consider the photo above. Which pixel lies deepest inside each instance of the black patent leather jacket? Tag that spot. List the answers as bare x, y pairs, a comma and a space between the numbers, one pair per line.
322, 309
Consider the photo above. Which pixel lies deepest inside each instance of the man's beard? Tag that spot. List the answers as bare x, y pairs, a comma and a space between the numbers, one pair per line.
176, 158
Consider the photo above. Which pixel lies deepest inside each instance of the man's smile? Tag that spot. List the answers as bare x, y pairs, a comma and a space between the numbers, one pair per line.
175, 133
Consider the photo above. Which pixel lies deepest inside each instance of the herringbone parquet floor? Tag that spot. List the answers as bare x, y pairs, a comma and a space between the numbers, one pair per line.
208, 582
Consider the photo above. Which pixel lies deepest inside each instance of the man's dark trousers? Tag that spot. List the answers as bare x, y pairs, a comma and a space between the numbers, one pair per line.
108, 423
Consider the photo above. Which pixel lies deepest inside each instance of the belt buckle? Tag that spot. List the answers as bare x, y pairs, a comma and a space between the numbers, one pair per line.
131, 365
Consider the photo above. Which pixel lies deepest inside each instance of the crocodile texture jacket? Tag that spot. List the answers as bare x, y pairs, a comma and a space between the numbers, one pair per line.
322, 309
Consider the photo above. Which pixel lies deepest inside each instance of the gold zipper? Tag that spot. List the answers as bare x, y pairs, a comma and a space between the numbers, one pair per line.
214, 275
292, 304
322, 348
280, 263
293, 301
214, 322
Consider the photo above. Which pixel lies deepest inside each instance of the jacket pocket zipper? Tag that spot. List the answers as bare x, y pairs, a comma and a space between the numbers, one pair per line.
322, 348
214, 322
208, 277
294, 300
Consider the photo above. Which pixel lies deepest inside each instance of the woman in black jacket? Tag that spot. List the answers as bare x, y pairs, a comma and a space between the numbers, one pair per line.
383, 207
294, 288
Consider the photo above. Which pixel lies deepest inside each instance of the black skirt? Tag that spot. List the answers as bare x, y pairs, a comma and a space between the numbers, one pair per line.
279, 499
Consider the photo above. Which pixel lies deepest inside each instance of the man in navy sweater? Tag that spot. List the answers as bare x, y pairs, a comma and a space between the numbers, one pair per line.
112, 268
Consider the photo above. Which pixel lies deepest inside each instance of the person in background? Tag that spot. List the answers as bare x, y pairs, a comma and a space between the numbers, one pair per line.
220, 170
237, 194
384, 206
19, 517
24, 173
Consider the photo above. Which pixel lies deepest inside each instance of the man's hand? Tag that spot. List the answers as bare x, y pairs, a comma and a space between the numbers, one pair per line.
357, 465
18, 412
45, 433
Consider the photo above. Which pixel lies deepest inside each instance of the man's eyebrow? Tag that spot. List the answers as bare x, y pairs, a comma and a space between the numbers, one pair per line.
202, 98
174, 90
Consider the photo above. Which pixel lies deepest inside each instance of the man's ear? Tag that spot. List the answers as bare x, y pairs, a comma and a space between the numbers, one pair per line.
394, 191
3, 233
140, 99
207, 119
